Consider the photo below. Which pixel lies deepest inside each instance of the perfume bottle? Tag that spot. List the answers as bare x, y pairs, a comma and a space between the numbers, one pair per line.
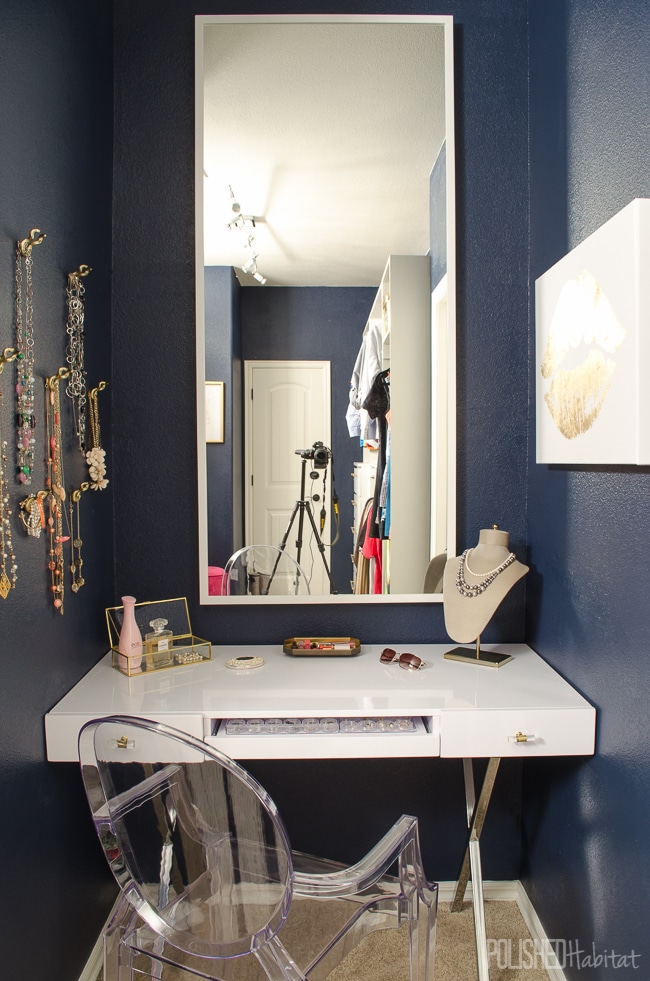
158, 645
130, 642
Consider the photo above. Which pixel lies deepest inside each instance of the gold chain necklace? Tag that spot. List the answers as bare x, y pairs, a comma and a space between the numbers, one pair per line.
8, 567
56, 488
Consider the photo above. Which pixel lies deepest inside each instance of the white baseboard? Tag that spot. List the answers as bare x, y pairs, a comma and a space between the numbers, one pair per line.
512, 891
497, 890
94, 963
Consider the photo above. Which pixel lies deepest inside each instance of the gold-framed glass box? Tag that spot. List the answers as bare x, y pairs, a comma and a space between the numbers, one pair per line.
167, 638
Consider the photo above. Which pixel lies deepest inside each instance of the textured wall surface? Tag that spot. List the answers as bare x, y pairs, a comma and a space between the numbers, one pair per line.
55, 162
589, 527
223, 363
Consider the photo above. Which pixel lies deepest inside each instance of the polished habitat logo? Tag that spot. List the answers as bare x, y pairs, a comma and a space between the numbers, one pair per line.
524, 955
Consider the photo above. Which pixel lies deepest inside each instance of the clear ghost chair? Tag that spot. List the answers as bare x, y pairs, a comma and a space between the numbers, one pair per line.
209, 883
264, 570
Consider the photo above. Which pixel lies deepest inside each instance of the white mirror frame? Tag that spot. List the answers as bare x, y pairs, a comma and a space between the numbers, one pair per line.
439, 334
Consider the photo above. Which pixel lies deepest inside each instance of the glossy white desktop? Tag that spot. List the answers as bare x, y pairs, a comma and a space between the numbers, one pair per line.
521, 709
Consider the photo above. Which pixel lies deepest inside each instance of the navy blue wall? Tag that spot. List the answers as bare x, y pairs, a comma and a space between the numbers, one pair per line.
588, 858
55, 166
223, 362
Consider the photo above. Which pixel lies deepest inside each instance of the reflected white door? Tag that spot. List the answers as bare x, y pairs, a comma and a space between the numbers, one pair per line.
288, 408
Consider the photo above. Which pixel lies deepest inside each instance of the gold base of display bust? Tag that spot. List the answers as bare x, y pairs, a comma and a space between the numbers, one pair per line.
474, 655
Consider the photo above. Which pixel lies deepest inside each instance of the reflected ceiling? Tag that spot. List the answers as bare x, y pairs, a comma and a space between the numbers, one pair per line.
333, 193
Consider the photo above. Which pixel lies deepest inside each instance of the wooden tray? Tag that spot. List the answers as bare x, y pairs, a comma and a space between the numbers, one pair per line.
322, 646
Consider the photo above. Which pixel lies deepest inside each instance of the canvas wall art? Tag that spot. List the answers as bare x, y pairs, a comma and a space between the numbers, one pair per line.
592, 347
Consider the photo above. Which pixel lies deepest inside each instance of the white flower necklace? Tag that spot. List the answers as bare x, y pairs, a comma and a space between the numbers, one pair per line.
96, 455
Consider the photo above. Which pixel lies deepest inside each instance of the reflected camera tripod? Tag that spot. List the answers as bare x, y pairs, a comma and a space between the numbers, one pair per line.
302, 507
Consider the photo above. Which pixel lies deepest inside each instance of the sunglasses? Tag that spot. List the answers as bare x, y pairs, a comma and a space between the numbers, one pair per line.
409, 661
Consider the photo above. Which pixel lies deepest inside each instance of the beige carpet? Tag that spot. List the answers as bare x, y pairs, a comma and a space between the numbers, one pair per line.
383, 955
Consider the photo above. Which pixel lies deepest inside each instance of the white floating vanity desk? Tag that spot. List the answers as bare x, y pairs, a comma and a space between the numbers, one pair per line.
464, 711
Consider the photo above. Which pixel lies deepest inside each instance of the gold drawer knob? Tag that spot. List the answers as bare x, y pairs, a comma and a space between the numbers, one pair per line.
523, 737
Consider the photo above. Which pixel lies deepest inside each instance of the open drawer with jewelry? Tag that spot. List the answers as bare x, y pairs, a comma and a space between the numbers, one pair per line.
153, 636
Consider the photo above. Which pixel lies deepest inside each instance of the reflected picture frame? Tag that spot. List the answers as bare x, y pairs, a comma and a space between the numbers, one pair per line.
214, 412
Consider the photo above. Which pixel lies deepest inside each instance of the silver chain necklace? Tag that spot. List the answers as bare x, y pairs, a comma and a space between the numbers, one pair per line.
76, 387
25, 416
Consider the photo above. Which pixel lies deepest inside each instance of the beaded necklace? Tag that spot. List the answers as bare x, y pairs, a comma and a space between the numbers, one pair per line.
475, 589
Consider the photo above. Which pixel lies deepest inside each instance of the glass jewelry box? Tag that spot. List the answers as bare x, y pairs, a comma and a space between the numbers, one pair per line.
167, 638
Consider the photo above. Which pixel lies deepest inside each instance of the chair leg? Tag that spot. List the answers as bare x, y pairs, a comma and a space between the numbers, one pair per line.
277, 962
412, 880
118, 961
414, 940
422, 936
430, 944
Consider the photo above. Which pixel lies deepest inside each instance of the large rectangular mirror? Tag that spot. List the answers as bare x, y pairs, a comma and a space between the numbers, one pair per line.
326, 282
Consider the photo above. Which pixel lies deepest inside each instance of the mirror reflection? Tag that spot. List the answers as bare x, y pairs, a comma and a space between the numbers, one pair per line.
325, 302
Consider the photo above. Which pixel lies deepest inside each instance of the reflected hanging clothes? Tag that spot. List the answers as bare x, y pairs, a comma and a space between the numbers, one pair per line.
372, 549
366, 367
377, 405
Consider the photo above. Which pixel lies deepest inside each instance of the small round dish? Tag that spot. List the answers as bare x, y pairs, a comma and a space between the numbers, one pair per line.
245, 662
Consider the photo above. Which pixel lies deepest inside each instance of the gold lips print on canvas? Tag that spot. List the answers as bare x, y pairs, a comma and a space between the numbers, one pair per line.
592, 347
584, 336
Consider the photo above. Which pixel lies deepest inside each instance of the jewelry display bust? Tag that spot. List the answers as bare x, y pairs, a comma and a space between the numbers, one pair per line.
476, 582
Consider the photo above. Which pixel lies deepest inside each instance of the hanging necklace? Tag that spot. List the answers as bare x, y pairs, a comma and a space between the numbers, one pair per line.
55, 483
96, 455
472, 590
25, 418
95, 458
8, 567
76, 561
76, 387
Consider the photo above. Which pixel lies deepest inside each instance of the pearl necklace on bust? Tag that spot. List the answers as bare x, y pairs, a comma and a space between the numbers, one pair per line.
469, 590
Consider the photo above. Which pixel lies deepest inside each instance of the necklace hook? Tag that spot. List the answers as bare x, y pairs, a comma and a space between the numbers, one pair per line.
83, 270
35, 238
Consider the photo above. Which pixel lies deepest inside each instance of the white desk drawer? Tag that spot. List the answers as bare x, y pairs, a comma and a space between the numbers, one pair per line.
518, 732
62, 732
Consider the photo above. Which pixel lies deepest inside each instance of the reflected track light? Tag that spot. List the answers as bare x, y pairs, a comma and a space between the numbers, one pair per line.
244, 224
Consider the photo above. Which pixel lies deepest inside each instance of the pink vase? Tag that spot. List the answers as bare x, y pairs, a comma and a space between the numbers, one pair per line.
130, 642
